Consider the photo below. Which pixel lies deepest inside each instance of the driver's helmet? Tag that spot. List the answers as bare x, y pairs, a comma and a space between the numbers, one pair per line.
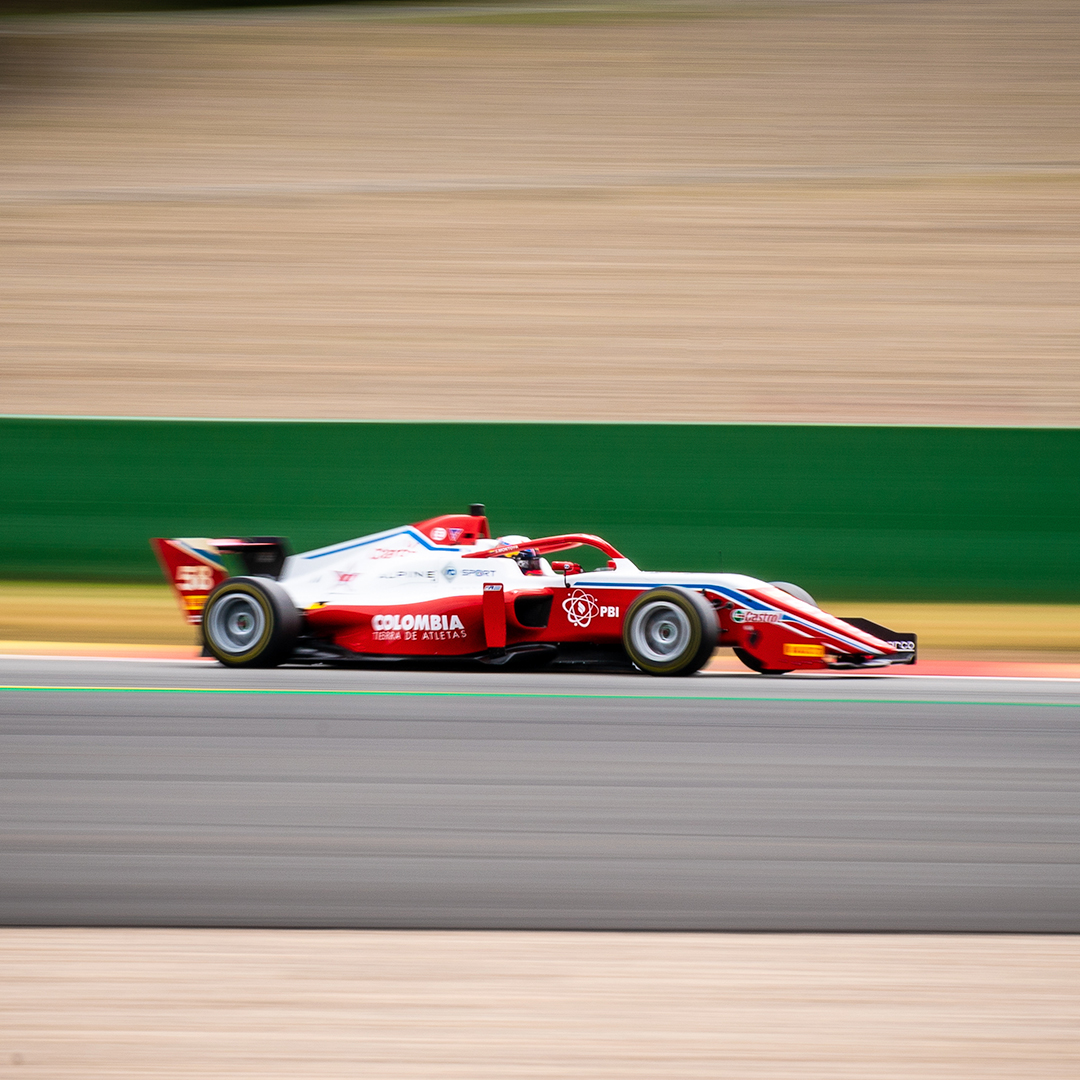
529, 561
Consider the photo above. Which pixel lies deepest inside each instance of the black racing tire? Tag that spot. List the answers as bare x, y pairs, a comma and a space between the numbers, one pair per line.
670, 631
250, 622
795, 590
754, 664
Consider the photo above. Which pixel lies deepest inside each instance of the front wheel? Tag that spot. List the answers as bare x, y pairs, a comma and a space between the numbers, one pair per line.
250, 622
670, 631
795, 590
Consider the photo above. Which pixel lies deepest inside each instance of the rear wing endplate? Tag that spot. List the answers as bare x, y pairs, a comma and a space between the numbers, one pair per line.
194, 565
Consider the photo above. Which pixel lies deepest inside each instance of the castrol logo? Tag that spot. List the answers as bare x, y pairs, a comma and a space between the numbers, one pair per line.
744, 615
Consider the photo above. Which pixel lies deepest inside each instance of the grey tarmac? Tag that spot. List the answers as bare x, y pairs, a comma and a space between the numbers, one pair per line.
182, 794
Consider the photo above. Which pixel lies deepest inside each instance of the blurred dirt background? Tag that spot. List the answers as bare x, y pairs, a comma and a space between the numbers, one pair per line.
242, 1003
805, 211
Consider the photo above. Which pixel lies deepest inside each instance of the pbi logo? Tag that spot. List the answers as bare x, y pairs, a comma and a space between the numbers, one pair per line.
581, 608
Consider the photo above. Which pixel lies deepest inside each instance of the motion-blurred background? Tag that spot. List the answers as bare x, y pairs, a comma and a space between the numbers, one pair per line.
815, 212
778, 286
792, 213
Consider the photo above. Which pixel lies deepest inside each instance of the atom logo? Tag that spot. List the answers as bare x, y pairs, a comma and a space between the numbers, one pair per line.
581, 608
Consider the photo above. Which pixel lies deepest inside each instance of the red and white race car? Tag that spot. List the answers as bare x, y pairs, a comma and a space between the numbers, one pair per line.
445, 590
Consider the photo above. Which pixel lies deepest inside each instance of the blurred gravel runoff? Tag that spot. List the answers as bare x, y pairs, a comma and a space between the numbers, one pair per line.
669, 211
85, 1003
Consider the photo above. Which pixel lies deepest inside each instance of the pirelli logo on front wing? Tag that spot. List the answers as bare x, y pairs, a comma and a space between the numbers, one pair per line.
792, 648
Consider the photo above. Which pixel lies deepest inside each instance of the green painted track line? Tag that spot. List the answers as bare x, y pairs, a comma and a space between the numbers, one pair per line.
282, 692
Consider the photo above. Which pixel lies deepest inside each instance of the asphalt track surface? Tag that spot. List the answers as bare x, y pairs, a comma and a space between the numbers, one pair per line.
157, 793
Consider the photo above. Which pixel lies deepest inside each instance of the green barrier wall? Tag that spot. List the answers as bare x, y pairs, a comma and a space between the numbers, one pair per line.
858, 512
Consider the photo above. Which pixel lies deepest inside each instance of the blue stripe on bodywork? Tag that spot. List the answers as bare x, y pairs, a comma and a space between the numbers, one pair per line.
387, 536
731, 594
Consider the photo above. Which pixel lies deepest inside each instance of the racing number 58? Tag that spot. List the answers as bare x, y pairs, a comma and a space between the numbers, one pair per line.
194, 578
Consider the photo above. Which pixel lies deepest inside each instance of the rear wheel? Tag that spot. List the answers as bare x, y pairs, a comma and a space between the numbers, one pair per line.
250, 622
670, 631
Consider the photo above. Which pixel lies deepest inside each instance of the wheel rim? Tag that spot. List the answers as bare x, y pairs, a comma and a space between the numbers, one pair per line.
661, 632
236, 623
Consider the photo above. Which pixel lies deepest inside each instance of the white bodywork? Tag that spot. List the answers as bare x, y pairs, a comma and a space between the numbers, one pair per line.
402, 566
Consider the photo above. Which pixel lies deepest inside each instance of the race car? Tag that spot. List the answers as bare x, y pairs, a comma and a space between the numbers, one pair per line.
444, 590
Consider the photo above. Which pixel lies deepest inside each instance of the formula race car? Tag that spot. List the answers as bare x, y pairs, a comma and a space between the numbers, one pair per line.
445, 590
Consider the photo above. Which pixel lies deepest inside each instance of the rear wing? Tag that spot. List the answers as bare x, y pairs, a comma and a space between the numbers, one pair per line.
194, 566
